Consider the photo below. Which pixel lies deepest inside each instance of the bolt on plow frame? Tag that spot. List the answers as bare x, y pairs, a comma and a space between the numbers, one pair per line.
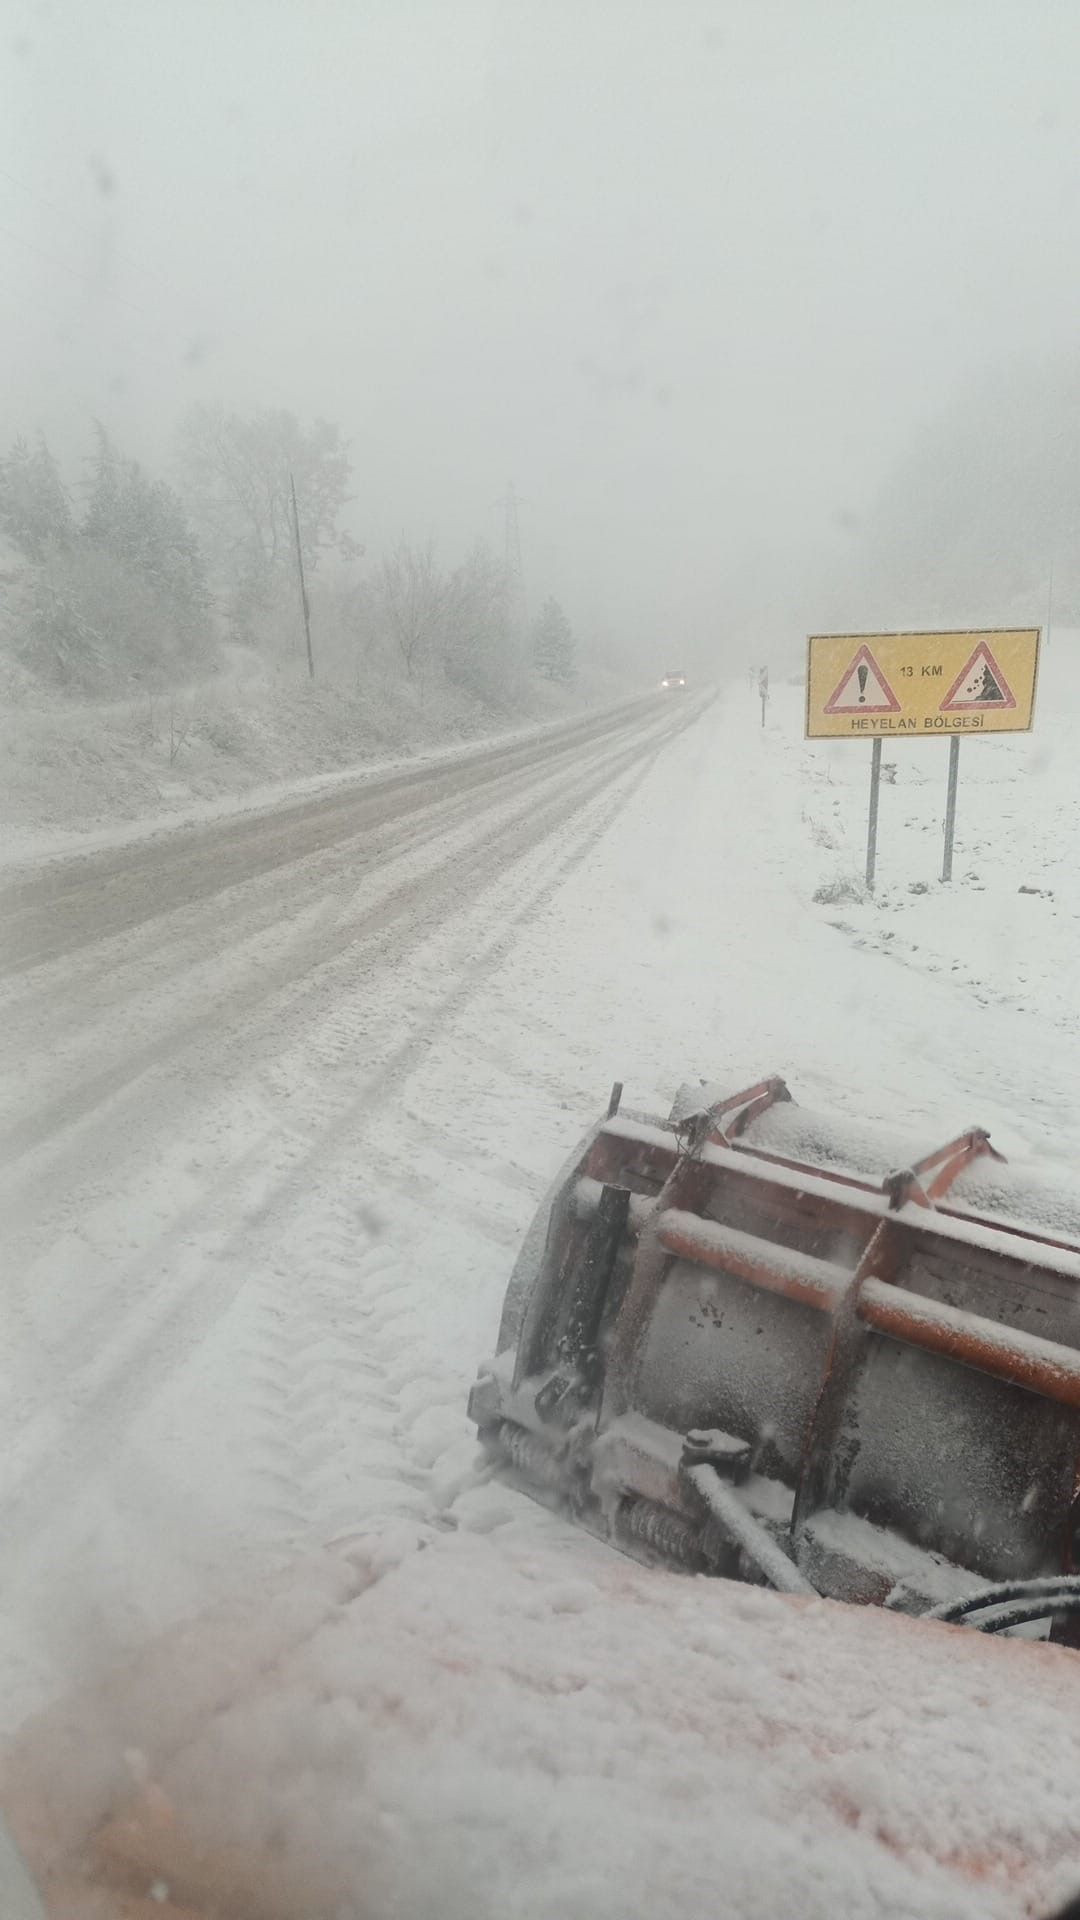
755, 1341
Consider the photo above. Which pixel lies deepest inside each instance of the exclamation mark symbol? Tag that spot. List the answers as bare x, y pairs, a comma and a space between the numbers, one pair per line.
861, 672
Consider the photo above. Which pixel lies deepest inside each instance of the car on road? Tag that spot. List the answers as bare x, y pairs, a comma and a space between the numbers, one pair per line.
673, 683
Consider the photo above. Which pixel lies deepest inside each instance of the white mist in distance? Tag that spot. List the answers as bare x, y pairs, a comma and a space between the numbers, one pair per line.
762, 308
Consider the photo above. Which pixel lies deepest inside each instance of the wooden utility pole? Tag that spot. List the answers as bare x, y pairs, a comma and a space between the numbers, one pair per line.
300, 576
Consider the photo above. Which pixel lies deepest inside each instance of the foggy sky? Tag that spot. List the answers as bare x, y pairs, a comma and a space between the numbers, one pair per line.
691, 275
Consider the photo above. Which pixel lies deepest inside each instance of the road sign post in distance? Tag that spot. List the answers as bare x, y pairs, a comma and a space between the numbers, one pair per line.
921, 686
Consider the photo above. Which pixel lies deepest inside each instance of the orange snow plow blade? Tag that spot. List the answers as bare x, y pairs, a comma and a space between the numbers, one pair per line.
843, 1749
755, 1341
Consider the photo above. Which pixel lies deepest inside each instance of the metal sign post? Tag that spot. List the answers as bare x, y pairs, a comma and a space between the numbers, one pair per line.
950, 805
763, 689
871, 821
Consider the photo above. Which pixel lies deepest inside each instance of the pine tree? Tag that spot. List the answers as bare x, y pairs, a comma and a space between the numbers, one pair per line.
477, 647
35, 512
141, 522
103, 519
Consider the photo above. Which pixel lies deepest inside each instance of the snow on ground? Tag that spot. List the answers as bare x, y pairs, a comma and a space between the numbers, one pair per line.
22, 847
254, 1278
518, 1725
202, 1118
87, 767
1007, 928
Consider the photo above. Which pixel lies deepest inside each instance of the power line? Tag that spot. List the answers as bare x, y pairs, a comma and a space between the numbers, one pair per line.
59, 379
125, 259
33, 304
209, 333
77, 273
91, 282
273, 388
130, 343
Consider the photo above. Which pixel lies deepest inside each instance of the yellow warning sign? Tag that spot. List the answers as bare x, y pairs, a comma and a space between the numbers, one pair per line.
924, 685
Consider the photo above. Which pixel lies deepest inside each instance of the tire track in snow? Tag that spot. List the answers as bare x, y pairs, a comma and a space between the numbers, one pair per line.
304, 964
374, 1450
81, 989
317, 1405
150, 1345
79, 901
367, 1468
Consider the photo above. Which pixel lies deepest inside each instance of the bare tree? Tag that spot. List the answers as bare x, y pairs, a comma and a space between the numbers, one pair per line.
148, 728
553, 643
412, 594
477, 643
237, 474
179, 729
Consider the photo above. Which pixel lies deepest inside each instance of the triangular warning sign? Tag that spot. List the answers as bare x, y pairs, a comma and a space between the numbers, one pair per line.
863, 688
982, 684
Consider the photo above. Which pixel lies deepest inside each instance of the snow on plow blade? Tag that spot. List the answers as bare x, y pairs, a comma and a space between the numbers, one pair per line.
741, 1341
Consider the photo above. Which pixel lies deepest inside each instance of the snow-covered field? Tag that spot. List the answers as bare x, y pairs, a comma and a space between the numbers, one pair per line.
281, 1095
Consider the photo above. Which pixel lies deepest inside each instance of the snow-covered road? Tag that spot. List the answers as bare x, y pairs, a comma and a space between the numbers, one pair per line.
282, 1093
209, 1044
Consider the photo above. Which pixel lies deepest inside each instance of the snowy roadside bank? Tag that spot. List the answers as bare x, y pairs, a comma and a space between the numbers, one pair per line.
83, 776
30, 848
